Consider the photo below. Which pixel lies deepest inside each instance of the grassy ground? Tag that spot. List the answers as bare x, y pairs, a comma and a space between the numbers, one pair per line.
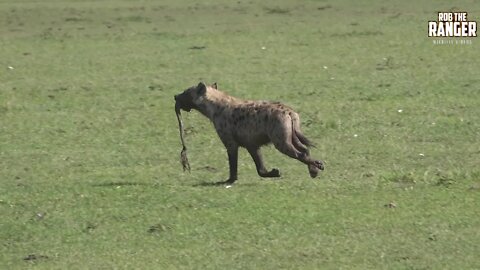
89, 146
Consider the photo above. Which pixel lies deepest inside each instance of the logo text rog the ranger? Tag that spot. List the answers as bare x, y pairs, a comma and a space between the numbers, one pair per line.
452, 24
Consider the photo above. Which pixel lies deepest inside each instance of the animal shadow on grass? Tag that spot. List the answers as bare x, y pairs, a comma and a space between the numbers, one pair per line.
119, 184
221, 184
210, 184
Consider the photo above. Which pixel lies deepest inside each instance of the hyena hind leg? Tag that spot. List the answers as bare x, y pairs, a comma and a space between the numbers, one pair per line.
298, 144
289, 149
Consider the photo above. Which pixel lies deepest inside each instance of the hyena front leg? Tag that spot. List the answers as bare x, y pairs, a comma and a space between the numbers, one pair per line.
232, 152
258, 159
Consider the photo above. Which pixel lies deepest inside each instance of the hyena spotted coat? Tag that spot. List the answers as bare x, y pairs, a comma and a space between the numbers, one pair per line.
250, 124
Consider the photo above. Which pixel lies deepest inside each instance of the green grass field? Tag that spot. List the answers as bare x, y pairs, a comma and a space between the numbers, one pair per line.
90, 176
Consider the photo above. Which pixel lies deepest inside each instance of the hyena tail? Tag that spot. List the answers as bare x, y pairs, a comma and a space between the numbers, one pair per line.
304, 139
298, 139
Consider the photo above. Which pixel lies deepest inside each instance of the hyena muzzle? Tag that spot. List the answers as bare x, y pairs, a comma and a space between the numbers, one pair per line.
250, 124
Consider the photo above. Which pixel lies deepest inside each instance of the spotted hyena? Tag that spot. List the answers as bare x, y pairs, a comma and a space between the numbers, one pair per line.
250, 124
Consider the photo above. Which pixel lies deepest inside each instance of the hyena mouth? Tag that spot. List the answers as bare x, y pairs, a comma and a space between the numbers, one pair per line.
181, 103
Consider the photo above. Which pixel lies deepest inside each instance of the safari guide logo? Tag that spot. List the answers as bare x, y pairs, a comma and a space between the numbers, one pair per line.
453, 25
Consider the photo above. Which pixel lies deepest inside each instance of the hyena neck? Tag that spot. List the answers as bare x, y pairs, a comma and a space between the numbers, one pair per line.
213, 105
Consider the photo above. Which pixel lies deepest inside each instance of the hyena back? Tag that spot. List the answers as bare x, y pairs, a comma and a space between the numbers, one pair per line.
250, 124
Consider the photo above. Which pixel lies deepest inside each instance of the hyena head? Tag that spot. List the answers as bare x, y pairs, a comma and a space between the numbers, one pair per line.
193, 97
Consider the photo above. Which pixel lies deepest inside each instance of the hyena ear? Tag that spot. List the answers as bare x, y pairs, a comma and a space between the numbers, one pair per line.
214, 85
201, 89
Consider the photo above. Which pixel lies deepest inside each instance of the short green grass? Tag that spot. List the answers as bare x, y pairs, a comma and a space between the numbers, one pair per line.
89, 146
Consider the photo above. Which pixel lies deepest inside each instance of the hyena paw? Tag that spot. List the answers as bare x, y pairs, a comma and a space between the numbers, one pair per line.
315, 167
274, 173
313, 171
229, 181
319, 164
